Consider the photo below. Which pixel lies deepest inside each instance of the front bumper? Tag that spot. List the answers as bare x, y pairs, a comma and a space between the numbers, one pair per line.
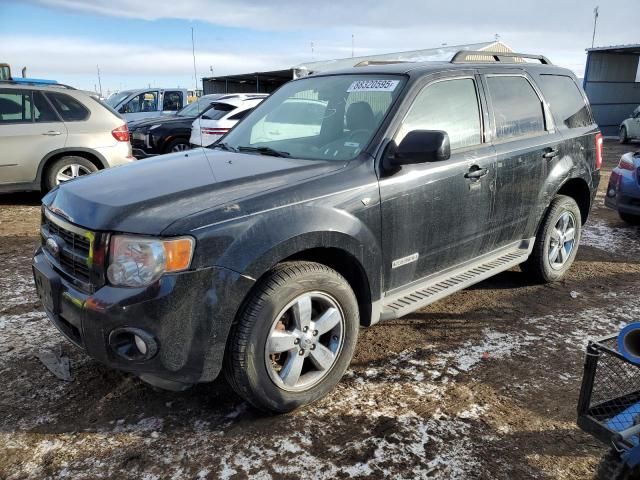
188, 315
623, 192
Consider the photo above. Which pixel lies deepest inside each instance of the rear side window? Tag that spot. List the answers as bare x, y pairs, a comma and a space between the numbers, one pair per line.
70, 109
517, 109
217, 111
42, 110
15, 106
565, 100
450, 105
240, 115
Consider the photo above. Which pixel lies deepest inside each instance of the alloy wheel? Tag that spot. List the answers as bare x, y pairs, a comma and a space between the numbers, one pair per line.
562, 240
68, 172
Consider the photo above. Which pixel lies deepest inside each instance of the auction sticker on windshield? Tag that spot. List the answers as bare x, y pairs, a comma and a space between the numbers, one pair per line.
373, 86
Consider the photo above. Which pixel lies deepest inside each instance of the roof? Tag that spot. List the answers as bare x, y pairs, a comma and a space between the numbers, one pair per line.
633, 48
442, 54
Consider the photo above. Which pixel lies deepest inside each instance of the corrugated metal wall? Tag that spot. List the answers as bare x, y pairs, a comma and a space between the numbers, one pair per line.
610, 83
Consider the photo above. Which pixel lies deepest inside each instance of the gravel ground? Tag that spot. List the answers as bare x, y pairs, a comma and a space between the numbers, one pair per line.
482, 384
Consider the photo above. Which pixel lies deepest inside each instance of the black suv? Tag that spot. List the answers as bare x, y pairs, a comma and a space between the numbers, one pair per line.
263, 255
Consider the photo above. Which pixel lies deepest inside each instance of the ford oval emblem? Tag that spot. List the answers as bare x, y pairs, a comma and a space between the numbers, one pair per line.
53, 246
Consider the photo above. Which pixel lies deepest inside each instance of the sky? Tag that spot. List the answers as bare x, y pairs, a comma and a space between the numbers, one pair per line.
137, 43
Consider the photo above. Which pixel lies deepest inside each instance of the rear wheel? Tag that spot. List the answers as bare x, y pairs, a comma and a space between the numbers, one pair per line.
177, 145
67, 168
629, 218
295, 337
557, 241
623, 138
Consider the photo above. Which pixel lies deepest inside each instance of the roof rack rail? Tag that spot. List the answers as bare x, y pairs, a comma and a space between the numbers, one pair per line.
503, 57
36, 84
368, 63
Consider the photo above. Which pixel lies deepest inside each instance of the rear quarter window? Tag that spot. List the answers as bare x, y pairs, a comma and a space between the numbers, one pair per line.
565, 101
70, 109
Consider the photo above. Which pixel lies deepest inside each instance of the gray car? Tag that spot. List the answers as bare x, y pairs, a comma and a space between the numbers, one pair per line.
52, 133
630, 128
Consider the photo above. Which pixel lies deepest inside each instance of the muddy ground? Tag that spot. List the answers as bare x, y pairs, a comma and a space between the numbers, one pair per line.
483, 384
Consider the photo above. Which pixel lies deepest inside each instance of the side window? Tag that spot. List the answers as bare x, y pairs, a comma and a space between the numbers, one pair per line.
517, 109
450, 105
145, 102
15, 106
240, 115
172, 101
42, 111
70, 109
565, 100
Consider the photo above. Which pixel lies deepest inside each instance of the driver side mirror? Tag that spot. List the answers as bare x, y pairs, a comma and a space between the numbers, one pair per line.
421, 146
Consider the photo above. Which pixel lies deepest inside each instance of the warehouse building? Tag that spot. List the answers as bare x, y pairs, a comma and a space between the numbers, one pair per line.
612, 83
267, 82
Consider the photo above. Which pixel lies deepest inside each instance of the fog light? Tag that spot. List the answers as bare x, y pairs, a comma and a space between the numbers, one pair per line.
611, 192
132, 344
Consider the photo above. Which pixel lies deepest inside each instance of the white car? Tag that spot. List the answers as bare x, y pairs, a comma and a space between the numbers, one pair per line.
221, 116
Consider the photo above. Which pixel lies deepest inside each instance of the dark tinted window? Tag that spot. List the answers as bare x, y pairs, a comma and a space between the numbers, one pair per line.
15, 106
240, 115
517, 109
565, 100
217, 111
42, 111
70, 109
451, 106
172, 101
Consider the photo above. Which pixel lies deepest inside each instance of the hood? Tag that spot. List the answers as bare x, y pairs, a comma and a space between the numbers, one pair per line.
146, 196
164, 120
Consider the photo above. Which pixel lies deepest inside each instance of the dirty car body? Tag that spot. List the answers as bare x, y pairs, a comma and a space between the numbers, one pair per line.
401, 211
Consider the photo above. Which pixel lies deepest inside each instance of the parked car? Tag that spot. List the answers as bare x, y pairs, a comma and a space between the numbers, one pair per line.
295, 118
630, 128
167, 133
221, 116
52, 133
623, 192
264, 259
147, 102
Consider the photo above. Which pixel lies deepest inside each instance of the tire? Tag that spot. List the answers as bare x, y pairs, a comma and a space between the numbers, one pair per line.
71, 166
539, 265
269, 381
613, 468
623, 137
629, 218
177, 145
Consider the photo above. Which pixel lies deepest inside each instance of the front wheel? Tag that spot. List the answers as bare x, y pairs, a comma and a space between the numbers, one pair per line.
177, 145
295, 337
557, 241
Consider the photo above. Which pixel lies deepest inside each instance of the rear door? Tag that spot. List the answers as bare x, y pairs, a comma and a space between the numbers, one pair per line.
434, 215
527, 146
29, 130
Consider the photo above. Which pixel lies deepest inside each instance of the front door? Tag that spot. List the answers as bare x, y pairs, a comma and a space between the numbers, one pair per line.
436, 215
144, 105
29, 130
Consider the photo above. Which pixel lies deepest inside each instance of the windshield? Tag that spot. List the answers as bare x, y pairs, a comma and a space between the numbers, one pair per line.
195, 108
317, 118
116, 98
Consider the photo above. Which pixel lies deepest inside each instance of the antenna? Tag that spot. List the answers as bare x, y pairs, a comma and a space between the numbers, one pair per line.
99, 80
595, 24
353, 39
312, 56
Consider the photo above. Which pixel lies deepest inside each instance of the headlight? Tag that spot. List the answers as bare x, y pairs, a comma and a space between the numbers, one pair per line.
140, 261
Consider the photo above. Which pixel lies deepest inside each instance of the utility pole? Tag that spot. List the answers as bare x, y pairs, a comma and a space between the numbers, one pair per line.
193, 51
99, 80
595, 24
353, 40
312, 56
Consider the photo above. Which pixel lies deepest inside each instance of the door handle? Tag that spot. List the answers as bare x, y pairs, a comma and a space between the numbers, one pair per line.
52, 133
476, 172
550, 153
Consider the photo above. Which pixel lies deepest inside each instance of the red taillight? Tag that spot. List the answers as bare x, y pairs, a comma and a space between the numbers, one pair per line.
626, 164
213, 131
121, 134
598, 151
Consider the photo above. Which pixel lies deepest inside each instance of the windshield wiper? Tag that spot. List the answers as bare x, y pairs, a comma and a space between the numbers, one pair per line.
223, 146
264, 151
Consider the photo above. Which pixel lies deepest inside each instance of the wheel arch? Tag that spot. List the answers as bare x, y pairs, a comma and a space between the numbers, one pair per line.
578, 189
94, 157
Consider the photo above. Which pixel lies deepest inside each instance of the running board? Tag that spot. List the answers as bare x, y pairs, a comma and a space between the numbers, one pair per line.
434, 287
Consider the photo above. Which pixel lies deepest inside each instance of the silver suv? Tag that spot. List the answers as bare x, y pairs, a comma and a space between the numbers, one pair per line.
52, 133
